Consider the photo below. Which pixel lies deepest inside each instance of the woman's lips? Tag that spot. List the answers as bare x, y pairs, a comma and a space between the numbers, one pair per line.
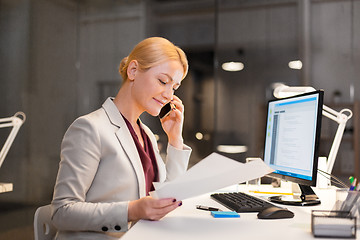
160, 102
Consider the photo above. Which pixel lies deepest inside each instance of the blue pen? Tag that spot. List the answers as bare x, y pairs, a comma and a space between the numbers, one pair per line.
353, 183
351, 179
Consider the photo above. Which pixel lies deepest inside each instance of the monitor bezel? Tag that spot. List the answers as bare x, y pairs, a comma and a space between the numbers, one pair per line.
311, 182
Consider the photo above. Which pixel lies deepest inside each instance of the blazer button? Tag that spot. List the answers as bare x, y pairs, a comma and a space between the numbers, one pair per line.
117, 228
105, 229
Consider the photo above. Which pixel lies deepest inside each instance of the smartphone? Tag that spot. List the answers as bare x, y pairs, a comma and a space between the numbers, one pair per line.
165, 110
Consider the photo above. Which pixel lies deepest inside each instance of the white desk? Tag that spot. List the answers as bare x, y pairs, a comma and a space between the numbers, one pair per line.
6, 187
187, 222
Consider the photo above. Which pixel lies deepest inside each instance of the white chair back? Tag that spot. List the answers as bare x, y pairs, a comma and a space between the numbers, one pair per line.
43, 228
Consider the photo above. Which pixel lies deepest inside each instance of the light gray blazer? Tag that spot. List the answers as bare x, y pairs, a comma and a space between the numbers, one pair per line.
100, 172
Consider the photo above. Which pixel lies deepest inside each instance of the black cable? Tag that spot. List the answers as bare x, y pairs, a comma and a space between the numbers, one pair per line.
333, 179
330, 176
338, 184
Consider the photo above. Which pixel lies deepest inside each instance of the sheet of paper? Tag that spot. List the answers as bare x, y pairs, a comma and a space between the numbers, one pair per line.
210, 174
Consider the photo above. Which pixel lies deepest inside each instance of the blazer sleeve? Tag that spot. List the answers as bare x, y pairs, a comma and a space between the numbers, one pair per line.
80, 158
177, 161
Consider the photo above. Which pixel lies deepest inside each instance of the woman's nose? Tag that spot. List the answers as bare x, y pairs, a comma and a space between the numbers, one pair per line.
168, 93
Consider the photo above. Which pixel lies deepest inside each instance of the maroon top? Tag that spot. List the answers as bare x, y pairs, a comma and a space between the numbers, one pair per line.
147, 156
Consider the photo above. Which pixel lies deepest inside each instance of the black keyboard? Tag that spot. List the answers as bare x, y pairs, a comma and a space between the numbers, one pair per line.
241, 202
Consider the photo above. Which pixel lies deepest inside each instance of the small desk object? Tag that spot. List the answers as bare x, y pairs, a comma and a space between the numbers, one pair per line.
6, 187
187, 222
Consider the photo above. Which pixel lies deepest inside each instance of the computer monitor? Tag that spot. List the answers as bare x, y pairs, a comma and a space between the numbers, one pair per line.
292, 143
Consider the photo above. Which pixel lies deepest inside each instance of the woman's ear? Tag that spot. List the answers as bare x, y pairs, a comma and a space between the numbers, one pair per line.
132, 69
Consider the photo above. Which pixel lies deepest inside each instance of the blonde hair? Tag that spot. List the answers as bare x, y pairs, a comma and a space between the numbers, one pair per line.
151, 52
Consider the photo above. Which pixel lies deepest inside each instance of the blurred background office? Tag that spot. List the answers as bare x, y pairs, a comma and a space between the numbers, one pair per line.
59, 60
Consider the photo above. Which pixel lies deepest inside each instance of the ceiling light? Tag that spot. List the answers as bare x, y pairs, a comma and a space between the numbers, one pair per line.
232, 66
232, 148
297, 64
199, 136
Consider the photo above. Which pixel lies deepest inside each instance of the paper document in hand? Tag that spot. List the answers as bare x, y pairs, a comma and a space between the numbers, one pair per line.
210, 174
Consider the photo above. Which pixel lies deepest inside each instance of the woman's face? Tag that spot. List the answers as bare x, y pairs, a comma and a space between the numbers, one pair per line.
155, 87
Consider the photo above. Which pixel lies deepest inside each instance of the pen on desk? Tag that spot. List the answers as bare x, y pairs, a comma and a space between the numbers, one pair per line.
355, 183
352, 183
271, 192
207, 208
351, 179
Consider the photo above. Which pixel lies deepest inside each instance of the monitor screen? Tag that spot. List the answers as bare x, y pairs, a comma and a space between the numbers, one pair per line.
292, 137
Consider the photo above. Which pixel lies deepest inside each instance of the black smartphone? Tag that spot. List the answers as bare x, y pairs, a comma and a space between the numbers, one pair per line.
165, 110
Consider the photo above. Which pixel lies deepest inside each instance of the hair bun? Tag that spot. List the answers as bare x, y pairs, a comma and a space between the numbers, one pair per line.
122, 64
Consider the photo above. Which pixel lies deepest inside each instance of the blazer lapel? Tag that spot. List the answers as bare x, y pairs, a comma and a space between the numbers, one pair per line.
129, 147
125, 139
159, 160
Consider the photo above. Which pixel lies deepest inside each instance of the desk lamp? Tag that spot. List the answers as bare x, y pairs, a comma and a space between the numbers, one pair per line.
15, 122
282, 91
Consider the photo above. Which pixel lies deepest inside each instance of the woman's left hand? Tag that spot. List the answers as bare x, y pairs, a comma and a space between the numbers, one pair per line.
173, 123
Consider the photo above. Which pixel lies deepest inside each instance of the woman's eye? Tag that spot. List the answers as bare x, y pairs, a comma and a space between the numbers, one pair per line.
162, 82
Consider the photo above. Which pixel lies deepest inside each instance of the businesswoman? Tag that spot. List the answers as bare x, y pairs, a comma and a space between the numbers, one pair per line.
109, 158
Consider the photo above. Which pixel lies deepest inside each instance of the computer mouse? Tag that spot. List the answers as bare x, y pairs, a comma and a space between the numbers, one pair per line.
275, 213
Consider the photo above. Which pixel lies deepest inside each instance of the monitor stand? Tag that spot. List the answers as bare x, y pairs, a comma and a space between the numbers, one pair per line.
306, 198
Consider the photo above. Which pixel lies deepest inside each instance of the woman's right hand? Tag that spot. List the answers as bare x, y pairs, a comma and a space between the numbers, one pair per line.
150, 208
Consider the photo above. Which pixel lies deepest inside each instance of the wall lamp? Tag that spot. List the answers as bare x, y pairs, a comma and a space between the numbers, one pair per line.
15, 122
